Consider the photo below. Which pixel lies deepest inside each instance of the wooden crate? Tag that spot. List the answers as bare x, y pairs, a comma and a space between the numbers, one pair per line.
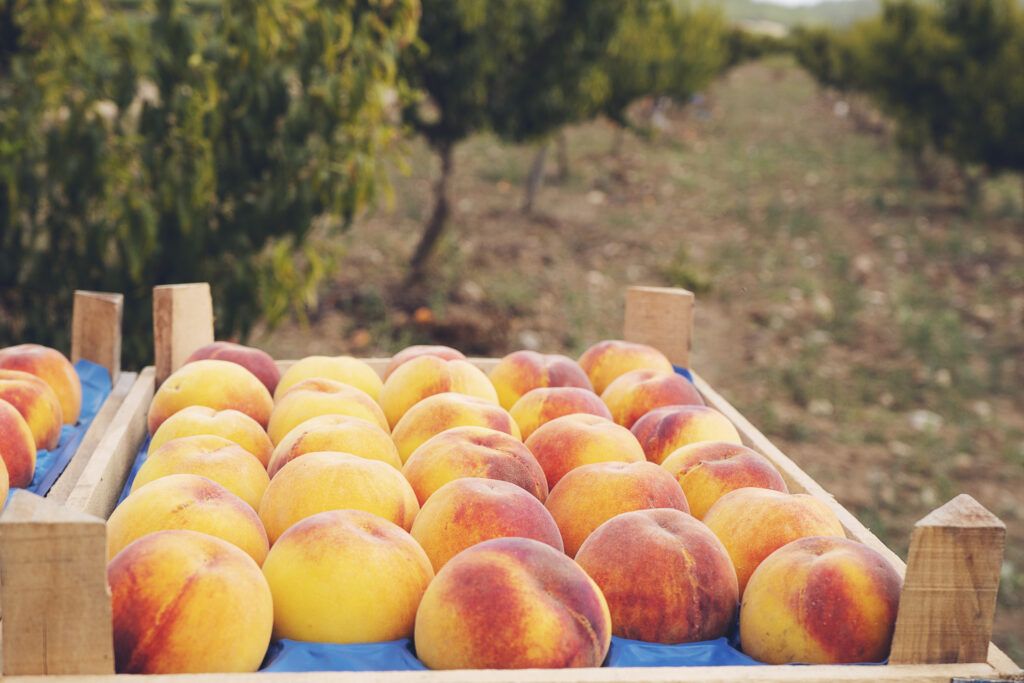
52, 556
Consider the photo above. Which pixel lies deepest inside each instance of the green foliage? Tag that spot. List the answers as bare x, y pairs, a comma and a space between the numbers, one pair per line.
156, 147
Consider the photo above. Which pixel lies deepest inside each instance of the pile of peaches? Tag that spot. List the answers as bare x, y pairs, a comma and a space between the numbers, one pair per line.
516, 519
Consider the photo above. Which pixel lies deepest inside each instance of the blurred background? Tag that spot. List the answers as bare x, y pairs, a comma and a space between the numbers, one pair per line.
839, 183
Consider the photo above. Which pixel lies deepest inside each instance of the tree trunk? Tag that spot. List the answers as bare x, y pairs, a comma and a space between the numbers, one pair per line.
533, 181
563, 156
435, 225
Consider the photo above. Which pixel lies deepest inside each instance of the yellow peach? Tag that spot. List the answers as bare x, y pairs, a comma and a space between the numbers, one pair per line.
217, 384
17, 446
521, 371
314, 397
344, 369
567, 442
256, 361
539, 406
51, 366
233, 425
36, 402
339, 433
606, 360
667, 428
410, 352
424, 376
439, 412
634, 394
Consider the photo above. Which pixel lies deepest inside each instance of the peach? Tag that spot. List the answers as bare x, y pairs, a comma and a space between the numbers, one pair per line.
589, 495
542, 405
317, 482
707, 470
567, 442
423, 376
344, 369
606, 360
187, 602
667, 428
233, 425
339, 433
521, 371
186, 501
36, 402
346, 576
820, 600
256, 361
51, 366
410, 352
467, 511
512, 603
217, 384
754, 522
17, 446
439, 412
634, 394
473, 452
314, 397
666, 577
213, 457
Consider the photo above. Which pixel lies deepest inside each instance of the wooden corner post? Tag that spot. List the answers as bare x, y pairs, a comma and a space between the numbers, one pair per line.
182, 322
949, 592
53, 585
661, 317
96, 330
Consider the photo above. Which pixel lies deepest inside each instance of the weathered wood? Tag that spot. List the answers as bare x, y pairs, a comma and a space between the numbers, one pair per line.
182, 322
661, 317
96, 330
949, 592
53, 586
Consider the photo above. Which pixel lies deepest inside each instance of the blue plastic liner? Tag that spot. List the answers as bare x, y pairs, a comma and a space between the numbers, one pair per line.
685, 372
719, 652
295, 655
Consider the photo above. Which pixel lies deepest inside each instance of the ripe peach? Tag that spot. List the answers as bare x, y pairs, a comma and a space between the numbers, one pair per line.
335, 481
521, 371
344, 369
542, 405
467, 511
707, 470
217, 384
590, 495
36, 402
256, 361
512, 603
666, 577
410, 352
667, 428
187, 602
424, 376
473, 452
51, 366
233, 425
314, 397
606, 360
569, 441
17, 446
820, 600
439, 412
346, 576
186, 501
214, 457
339, 433
637, 392
754, 522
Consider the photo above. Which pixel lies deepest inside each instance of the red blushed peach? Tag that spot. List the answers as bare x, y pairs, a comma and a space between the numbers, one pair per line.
346, 576
473, 452
318, 482
186, 602
539, 406
51, 366
820, 600
36, 402
606, 360
314, 397
217, 384
256, 361
666, 577
344, 369
439, 412
186, 501
590, 495
707, 470
521, 371
17, 446
338, 433
423, 376
667, 428
752, 523
637, 392
512, 603
467, 511
410, 352
567, 442
233, 425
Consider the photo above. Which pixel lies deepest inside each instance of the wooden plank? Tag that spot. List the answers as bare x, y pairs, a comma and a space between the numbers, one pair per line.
949, 593
96, 330
661, 317
53, 586
182, 322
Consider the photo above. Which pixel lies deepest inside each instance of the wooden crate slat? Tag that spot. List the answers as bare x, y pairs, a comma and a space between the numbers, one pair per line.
182, 322
661, 317
96, 330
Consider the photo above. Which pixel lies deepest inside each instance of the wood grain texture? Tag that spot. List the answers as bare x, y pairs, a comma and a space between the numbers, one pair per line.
96, 330
182, 322
661, 317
